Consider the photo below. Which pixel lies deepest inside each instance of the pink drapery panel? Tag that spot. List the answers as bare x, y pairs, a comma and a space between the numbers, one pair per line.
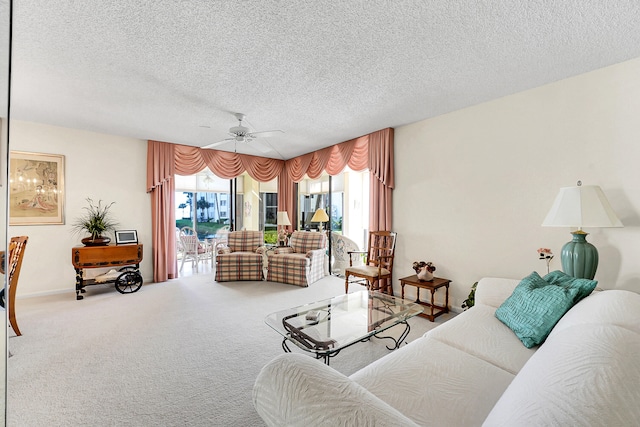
164, 235
353, 153
380, 201
359, 159
261, 168
160, 165
297, 167
381, 179
373, 151
333, 159
191, 160
319, 161
160, 183
286, 197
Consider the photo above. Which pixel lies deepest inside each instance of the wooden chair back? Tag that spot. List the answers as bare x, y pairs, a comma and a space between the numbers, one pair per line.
17, 246
381, 249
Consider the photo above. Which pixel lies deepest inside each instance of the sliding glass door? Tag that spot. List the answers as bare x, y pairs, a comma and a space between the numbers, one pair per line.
203, 202
208, 203
345, 197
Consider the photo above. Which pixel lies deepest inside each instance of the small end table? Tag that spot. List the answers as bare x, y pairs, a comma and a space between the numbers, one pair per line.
433, 286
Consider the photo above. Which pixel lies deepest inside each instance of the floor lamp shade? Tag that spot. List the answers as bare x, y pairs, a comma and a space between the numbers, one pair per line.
578, 207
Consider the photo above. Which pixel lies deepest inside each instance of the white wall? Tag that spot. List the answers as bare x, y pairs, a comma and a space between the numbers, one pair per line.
102, 167
473, 186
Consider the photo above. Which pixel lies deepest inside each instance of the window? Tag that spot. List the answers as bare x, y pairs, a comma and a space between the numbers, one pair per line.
206, 203
201, 203
346, 199
270, 209
313, 194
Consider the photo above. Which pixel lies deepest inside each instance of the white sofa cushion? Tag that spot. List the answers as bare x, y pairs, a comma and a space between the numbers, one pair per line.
614, 307
435, 384
481, 334
493, 291
583, 375
297, 390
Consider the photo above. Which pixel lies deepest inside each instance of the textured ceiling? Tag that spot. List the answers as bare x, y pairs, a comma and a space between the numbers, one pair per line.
321, 71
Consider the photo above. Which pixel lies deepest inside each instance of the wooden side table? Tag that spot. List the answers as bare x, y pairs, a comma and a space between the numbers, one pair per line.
433, 286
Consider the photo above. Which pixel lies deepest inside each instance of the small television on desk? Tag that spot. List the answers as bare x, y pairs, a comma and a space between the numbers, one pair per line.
125, 237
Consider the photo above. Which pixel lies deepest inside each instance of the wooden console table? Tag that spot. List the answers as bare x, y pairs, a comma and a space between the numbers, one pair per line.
433, 286
106, 256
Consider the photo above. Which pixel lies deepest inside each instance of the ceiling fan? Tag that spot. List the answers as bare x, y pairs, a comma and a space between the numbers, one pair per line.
242, 133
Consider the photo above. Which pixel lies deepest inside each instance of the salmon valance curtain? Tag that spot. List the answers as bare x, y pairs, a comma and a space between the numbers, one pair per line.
373, 152
191, 160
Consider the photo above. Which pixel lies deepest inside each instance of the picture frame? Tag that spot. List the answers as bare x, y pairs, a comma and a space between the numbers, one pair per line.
36, 188
125, 237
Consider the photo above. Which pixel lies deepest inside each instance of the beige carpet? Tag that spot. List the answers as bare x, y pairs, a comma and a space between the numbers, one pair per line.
180, 353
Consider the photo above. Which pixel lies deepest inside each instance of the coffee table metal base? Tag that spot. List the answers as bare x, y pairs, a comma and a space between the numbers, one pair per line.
324, 328
327, 355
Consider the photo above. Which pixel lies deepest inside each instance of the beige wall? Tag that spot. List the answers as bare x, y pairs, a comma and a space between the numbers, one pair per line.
473, 186
99, 166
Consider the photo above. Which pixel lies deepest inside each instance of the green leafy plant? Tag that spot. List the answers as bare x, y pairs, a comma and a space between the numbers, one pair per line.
96, 220
271, 236
471, 299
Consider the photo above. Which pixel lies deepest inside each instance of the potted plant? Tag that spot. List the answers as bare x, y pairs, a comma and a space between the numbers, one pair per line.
471, 299
96, 221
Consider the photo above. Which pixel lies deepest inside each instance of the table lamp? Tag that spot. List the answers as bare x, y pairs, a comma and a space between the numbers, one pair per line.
320, 216
283, 221
580, 206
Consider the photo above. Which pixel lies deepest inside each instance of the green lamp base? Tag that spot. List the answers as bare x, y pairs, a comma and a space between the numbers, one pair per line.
579, 257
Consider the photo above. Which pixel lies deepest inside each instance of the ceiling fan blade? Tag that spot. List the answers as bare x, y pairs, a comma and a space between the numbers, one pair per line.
265, 134
215, 144
261, 147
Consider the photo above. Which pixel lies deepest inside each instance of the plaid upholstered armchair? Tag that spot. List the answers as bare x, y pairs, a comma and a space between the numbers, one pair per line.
240, 258
301, 263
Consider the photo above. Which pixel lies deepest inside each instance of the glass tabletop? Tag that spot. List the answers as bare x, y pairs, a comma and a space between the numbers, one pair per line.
332, 324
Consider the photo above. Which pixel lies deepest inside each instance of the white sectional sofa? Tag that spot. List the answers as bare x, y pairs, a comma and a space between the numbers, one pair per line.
473, 370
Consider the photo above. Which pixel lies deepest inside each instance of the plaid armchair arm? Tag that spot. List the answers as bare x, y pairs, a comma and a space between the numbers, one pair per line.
315, 253
284, 250
222, 250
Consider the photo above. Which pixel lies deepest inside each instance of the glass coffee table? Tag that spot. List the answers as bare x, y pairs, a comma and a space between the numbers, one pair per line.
326, 327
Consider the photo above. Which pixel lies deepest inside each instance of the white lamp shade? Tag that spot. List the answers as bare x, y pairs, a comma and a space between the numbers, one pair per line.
283, 218
581, 206
320, 216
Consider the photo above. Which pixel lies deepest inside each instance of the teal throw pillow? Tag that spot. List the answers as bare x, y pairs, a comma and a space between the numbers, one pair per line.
585, 286
536, 305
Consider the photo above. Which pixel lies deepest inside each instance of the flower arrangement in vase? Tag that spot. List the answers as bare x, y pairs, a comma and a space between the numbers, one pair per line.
424, 270
547, 255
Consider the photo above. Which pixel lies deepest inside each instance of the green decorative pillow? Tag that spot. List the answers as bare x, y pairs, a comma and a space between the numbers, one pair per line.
536, 305
585, 286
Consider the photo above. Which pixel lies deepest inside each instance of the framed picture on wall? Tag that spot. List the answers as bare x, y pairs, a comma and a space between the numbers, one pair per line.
36, 188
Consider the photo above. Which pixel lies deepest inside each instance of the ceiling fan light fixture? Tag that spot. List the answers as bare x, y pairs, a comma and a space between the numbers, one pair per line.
243, 134
239, 130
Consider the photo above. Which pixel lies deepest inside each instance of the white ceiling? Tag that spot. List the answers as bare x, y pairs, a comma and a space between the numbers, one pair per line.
322, 71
